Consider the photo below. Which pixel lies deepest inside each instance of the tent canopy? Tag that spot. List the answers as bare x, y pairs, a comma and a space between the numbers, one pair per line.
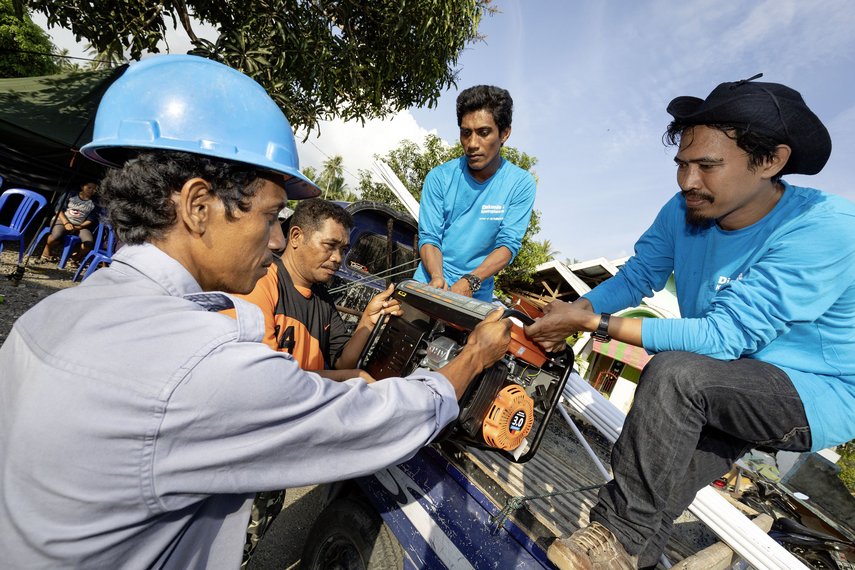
43, 123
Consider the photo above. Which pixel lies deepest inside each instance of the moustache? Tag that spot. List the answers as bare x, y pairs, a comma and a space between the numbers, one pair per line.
693, 195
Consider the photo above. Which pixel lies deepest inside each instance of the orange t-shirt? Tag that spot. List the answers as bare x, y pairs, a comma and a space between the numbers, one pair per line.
302, 322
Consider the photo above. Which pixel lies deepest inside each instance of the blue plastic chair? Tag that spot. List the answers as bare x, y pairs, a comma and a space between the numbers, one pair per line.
102, 252
31, 204
70, 242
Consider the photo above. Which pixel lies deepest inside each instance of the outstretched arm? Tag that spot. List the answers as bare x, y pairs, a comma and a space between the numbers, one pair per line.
563, 319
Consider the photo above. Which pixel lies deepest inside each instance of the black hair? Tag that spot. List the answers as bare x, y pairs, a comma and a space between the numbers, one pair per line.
138, 196
309, 215
494, 99
760, 148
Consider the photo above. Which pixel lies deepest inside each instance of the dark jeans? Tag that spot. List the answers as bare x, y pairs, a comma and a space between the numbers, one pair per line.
692, 418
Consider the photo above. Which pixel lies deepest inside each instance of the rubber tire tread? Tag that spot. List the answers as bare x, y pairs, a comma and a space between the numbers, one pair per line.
353, 518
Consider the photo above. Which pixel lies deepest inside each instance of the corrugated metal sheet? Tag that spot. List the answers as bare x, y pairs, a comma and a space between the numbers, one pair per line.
561, 464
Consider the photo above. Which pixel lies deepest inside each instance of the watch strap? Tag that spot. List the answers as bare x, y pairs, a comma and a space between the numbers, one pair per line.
602, 332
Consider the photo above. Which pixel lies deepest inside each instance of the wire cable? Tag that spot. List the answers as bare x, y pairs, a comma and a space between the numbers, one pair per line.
10, 50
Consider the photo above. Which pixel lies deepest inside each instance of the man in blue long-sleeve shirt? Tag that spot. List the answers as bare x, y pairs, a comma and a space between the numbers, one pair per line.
764, 353
475, 209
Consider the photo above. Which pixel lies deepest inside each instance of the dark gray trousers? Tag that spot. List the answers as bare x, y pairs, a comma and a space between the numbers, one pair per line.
692, 418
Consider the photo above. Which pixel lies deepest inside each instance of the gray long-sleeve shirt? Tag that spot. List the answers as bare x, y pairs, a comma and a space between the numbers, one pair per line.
136, 423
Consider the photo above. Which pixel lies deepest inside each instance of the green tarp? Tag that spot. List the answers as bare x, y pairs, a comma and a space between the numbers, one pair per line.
43, 123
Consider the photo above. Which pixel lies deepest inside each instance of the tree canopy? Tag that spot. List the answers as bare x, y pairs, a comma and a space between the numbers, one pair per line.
411, 163
317, 59
24, 47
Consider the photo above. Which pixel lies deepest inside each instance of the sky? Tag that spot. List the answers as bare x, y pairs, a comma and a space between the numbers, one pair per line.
590, 82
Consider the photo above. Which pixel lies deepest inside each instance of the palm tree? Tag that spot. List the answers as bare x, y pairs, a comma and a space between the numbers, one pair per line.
112, 57
64, 62
546, 249
331, 180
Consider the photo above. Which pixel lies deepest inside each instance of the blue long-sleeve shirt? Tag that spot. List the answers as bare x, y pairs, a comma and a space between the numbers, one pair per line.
781, 290
466, 219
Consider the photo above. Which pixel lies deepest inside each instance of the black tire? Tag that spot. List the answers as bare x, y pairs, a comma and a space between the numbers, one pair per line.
350, 535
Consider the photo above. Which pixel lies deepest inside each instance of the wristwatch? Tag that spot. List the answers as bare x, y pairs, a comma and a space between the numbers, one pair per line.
602, 332
474, 281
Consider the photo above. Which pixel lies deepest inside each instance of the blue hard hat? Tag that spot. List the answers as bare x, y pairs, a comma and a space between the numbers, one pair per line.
193, 104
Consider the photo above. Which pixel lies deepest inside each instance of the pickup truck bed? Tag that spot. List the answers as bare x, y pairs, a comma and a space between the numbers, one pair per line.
441, 505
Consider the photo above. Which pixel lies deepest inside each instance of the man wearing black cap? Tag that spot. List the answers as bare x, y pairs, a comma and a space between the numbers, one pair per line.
764, 354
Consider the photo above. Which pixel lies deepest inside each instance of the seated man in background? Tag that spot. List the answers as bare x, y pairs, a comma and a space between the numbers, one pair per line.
300, 316
76, 214
475, 209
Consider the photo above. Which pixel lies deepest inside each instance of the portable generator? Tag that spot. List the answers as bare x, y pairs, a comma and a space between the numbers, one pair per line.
506, 408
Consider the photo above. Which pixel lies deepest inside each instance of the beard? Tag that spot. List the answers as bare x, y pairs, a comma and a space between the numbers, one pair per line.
698, 220
695, 218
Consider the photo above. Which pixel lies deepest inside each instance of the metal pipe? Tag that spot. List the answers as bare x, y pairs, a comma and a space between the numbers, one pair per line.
597, 463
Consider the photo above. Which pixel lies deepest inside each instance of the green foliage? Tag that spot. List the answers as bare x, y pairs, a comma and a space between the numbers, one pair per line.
311, 173
411, 163
354, 60
546, 250
847, 464
22, 34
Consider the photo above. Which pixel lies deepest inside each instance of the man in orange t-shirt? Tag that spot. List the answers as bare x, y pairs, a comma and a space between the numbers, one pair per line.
300, 317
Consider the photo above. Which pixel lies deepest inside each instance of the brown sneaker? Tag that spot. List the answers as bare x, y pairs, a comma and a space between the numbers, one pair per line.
591, 548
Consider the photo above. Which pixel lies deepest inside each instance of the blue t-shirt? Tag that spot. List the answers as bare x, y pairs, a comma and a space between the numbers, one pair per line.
781, 290
467, 219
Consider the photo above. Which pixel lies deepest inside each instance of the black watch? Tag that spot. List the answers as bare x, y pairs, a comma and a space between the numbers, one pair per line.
474, 281
602, 332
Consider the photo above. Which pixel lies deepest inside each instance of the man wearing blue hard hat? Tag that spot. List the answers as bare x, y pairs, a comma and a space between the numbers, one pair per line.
764, 354
146, 452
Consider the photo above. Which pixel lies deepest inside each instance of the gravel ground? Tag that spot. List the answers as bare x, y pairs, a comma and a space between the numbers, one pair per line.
38, 282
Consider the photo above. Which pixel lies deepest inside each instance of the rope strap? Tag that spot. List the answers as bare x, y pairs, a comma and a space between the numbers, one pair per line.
515, 503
